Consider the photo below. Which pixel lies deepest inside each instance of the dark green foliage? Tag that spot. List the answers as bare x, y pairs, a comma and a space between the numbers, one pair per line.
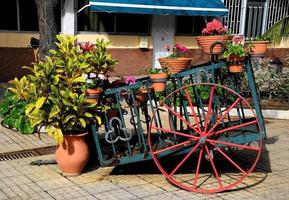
12, 110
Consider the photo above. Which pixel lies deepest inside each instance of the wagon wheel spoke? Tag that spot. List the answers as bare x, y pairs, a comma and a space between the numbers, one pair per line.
198, 168
181, 118
209, 112
214, 142
175, 132
235, 127
192, 109
184, 160
213, 166
223, 116
231, 161
172, 147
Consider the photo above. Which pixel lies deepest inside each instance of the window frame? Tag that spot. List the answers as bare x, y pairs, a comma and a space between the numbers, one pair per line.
119, 33
18, 30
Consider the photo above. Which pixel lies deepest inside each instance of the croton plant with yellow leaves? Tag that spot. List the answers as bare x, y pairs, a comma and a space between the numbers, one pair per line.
55, 88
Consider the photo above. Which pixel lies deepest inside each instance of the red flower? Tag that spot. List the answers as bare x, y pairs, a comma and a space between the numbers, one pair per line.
86, 46
213, 28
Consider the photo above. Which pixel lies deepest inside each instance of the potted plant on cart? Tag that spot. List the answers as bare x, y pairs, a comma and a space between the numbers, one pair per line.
236, 52
175, 62
58, 102
102, 62
159, 78
214, 32
93, 87
259, 45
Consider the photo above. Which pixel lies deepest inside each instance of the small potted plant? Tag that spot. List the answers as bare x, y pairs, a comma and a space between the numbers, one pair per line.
212, 33
93, 87
175, 62
102, 62
236, 52
259, 45
159, 78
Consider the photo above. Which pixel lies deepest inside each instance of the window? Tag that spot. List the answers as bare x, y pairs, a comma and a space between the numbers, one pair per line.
18, 15
189, 25
28, 15
8, 15
112, 23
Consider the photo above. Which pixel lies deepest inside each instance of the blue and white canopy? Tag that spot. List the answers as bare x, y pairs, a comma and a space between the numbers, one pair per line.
161, 7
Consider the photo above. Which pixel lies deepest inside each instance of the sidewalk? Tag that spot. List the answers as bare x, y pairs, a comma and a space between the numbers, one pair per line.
19, 180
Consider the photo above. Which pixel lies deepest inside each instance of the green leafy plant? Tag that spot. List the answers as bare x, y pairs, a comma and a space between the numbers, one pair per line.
262, 38
59, 102
275, 85
237, 47
157, 70
12, 110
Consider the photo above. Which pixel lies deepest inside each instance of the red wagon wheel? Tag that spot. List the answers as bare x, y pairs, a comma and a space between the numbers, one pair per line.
197, 156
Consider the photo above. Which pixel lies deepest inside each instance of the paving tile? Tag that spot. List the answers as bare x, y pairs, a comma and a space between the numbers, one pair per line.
143, 190
99, 187
120, 194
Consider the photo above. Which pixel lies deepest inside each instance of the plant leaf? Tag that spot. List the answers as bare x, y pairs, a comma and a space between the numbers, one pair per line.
82, 122
39, 103
68, 117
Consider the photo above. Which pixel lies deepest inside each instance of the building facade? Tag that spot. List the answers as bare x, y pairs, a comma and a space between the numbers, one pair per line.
137, 40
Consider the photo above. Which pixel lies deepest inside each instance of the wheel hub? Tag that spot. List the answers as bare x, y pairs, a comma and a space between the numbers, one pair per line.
202, 140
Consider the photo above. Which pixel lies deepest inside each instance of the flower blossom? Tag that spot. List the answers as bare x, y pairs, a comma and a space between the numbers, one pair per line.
238, 39
86, 46
214, 27
130, 80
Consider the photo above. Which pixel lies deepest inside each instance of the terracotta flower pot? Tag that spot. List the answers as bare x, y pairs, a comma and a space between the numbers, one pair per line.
73, 154
175, 65
259, 48
159, 81
205, 42
236, 68
93, 95
235, 63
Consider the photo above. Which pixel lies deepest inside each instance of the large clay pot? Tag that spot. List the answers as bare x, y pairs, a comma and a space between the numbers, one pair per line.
73, 154
205, 42
175, 65
159, 81
93, 95
259, 48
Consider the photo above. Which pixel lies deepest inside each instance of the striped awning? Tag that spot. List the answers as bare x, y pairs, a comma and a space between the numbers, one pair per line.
161, 7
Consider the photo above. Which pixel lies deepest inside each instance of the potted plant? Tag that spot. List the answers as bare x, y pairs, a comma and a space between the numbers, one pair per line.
214, 32
93, 87
102, 62
259, 45
159, 78
57, 101
175, 63
235, 53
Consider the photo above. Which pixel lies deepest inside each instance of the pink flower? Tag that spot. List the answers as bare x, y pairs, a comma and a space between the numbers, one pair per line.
214, 27
130, 80
167, 47
238, 39
183, 49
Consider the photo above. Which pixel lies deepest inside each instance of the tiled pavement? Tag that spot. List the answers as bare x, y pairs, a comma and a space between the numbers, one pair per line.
19, 180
